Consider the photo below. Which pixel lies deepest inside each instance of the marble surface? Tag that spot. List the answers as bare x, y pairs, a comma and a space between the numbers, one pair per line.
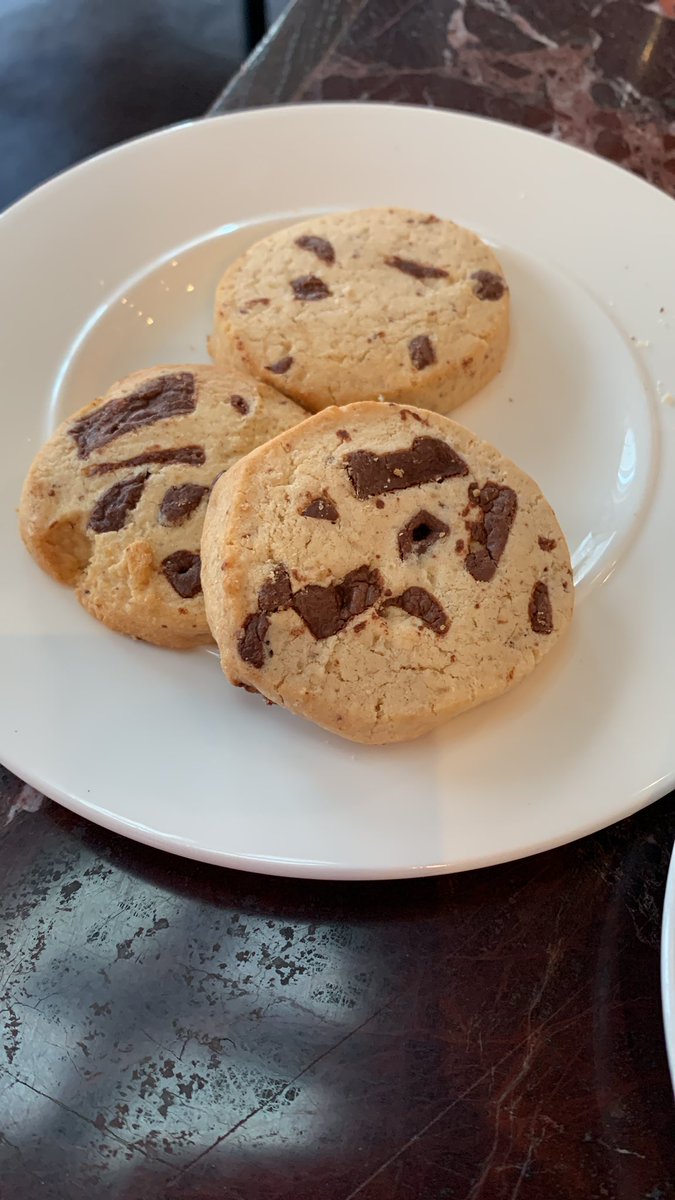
171, 1030
597, 73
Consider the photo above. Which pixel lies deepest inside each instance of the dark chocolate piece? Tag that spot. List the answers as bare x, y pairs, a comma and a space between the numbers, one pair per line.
327, 610
318, 246
239, 404
547, 543
193, 456
488, 286
539, 609
420, 533
282, 366
276, 594
415, 415
310, 287
418, 270
251, 639
165, 396
418, 602
322, 509
489, 535
428, 460
182, 569
111, 510
179, 502
422, 353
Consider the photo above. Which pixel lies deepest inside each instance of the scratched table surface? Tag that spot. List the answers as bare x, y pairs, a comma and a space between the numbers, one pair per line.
173, 1030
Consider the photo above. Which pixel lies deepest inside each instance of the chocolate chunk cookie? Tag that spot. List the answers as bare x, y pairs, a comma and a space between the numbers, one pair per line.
379, 569
114, 503
380, 303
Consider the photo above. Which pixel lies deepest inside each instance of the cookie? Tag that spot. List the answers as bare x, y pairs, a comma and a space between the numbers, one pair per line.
379, 569
114, 503
385, 303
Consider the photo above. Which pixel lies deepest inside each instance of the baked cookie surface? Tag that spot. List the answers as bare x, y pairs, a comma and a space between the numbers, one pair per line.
383, 303
114, 503
380, 569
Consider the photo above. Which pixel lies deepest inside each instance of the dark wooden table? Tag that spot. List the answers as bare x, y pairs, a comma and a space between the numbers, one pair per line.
172, 1030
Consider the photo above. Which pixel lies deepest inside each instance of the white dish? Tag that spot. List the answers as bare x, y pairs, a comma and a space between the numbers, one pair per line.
112, 267
668, 966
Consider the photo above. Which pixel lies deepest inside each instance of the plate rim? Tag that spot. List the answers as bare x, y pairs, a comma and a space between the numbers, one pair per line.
279, 112
326, 871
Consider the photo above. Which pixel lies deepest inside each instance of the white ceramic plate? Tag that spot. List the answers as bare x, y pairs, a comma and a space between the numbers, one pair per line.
668, 966
112, 267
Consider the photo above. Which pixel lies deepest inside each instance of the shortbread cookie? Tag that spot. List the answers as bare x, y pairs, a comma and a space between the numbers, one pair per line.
379, 569
114, 503
384, 303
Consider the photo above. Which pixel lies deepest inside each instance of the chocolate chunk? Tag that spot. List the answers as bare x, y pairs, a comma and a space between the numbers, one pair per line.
327, 610
182, 569
343, 435
251, 639
417, 269
239, 404
500, 505
490, 534
420, 533
256, 302
479, 564
193, 456
547, 543
415, 416
318, 246
310, 287
488, 286
429, 460
539, 609
112, 508
275, 594
417, 602
280, 367
422, 353
322, 508
379, 503
180, 502
166, 396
